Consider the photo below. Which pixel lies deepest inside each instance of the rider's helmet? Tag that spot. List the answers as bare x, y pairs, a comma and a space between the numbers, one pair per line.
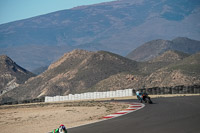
62, 129
138, 92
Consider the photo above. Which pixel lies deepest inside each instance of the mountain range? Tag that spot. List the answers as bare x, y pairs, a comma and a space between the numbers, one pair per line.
118, 27
82, 71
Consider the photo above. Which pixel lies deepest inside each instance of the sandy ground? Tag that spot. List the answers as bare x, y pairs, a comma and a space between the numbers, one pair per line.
43, 118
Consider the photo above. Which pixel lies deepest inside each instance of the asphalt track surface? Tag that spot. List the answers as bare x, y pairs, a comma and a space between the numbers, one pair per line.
166, 115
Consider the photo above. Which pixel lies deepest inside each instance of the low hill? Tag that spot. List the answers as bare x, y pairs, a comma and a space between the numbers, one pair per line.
163, 60
75, 72
189, 65
155, 48
169, 56
151, 73
183, 72
11, 74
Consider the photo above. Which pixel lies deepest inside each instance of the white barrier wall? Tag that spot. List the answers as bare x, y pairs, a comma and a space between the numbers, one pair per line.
90, 95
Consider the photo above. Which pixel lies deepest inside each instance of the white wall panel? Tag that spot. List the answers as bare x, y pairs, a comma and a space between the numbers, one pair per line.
90, 95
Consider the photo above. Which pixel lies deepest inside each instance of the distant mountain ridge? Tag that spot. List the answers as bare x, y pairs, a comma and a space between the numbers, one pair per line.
117, 26
151, 49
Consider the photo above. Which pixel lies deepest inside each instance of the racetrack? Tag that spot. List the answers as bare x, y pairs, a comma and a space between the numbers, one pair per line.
167, 115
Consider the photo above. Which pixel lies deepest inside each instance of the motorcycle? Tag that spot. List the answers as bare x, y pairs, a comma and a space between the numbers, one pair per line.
145, 97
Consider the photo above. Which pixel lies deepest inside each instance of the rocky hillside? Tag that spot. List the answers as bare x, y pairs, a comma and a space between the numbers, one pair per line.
170, 56
75, 72
155, 48
165, 59
118, 26
183, 72
189, 66
171, 68
158, 72
11, 74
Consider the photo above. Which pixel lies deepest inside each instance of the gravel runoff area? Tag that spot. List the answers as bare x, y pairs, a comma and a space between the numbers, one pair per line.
44, 117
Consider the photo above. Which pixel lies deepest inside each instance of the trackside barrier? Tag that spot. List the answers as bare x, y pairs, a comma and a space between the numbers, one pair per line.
181, 89
90, 95
193, 89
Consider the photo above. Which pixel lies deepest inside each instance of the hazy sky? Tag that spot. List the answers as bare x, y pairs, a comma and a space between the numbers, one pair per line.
11, 10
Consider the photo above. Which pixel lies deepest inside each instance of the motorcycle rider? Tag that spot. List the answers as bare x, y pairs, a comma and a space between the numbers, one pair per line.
61, 129
139, 95
143, 96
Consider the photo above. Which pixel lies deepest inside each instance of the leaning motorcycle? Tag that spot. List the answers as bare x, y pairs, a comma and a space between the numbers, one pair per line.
146, 98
